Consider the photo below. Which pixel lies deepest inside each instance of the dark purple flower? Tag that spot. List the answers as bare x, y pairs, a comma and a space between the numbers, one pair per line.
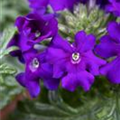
83, 1
75, 63
36, 27
114, 7
56, 5
36, 69
102, 3
32, 29
15, 42
21, 42
109, 47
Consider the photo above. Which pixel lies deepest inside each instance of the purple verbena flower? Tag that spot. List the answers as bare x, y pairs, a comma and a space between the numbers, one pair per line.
57, 5
37, 27
114, 7
32, 29
35, 69
109, 47
74, 63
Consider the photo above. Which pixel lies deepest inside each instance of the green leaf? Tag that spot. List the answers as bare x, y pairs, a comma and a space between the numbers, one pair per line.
5, 39
9, 88
92, 21
8, 85
8, 69
7, 51
7, 36
118, 19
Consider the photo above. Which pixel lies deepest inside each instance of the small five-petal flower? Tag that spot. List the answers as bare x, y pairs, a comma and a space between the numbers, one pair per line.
109, 47
74, 63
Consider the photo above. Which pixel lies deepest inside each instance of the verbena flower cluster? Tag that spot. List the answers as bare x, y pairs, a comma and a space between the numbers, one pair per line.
62, 62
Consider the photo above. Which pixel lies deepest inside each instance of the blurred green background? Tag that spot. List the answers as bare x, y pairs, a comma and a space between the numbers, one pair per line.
9, 10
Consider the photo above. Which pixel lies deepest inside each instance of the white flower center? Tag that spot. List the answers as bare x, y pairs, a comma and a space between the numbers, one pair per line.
76, 58
34, 64
37, 34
